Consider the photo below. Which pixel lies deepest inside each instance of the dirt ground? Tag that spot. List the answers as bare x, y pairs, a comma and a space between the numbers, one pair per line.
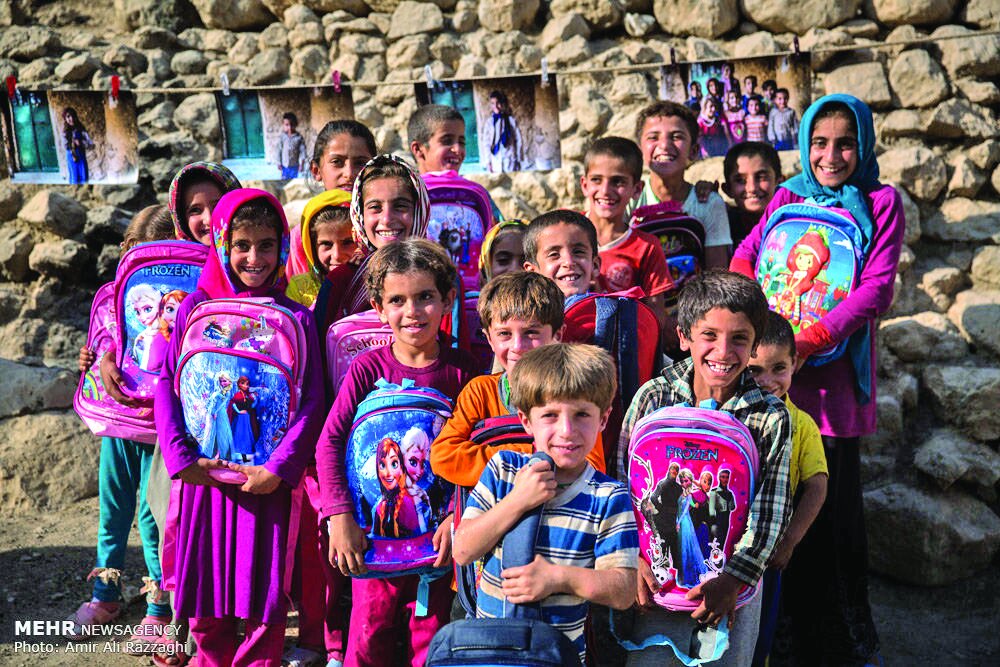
47, 557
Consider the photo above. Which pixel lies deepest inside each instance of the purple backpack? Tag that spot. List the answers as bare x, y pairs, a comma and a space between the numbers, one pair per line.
350, 336
133, 316
461, 214
239, 379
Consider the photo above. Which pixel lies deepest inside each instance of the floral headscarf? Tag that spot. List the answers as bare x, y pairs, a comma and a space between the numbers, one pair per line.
421, 208
226, 180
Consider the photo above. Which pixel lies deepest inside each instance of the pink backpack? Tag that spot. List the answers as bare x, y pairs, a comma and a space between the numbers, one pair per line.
480, 346
239, 379
461, 214
692, 477
347, 338
133, 316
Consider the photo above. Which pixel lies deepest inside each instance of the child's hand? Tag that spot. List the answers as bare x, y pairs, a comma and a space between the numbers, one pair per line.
532, 582
260, 480
86, 359
718, 599
702, 189
112, 378
782, 554
442, 541
534, 484
646, 585
197, 472
347, 545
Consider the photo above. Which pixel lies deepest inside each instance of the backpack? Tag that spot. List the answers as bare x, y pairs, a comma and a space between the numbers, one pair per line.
478, 343
520, 637
681, 236
347, 338
391, 421
461, 214
132, 317
687, 538
832, 243
239, 379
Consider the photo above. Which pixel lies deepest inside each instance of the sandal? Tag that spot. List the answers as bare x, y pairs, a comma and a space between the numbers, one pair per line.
90, 614
298, 656
176, 659
149, 637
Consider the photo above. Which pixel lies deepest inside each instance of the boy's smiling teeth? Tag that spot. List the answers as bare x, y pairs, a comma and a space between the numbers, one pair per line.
719, 368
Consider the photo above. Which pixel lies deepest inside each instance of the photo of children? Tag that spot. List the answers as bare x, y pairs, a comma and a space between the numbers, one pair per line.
756, 99
70, 137
269, 134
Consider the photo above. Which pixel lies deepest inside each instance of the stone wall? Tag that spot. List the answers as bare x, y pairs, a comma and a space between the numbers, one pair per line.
932, 469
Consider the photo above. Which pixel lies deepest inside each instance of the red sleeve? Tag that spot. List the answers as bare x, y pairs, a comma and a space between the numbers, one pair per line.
655, 278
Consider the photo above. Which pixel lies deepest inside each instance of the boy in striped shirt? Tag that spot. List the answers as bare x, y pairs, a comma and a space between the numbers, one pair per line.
587, 545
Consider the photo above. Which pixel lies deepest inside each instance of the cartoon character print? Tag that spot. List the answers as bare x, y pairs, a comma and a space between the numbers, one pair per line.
217, 441
165, 316
416, 447
242, 412
395, 514
145, 301
806, 259
715, 562
619, 276
692, 560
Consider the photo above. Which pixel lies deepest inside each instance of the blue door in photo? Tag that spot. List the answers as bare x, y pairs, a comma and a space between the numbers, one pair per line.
242, 124
36, 145
458, 94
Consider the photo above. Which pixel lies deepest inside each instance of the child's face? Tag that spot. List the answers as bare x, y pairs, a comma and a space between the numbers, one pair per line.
197, 203
727, 71
566, 430
170, 311
512, 338
753, 107
780, 100
732, 100
145, 309
710, 108
720, 346
494, 105
343, 158
772, 367
507, 253
335, 245
713, 87
566, 256
769, 92
749, 86
253, 256
666, 145
413, 309
68, 118
753, 183
833, 151
387, 210
286, 126
388, 469
608, 187
445, 150
695, 89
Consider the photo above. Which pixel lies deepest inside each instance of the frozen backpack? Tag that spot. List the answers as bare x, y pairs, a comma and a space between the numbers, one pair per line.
692, 475
682, 238
461, 214
133, 317
350, 336
520, 637
239, 379
398, 500
810, 261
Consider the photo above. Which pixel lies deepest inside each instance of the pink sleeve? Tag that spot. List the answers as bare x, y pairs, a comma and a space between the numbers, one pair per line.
750, 247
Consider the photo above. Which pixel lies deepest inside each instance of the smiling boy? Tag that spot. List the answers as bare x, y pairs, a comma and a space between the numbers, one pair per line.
562, 245
752, 170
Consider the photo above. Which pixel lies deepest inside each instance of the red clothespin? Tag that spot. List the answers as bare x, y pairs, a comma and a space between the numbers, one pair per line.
116, 84
335, 77
11, 86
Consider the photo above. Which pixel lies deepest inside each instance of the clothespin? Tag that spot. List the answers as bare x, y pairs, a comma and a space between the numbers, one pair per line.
429, 75
224, 79
673, 57
335, 77
663, 82
795, 46
545, 72
116, 83
11, 86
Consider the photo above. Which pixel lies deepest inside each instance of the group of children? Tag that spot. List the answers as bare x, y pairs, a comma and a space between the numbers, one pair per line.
360, 247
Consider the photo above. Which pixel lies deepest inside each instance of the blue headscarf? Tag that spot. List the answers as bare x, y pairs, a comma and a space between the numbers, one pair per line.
851, 195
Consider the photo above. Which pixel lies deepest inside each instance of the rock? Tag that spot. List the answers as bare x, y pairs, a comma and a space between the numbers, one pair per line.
15, 247
160, 117
601, 14
995, 180
759, 43
965, 397
778, 16
55, 212
159, 64
979, 92
197, 114
917, 79
912, 215
915, 12
630, 88
26, 43
311, 64
233, 14
274, 36
77, 68
58, 258
865, 81
268, 66
361, 45
561, 28
10, 200
961, 219
106, 224
326, 7
38, 71
916, 168
34, 388
29, 481
986, 267
571, 52
125, 58
305, 34
447, 48
469, 66
639, 25
923, 337
966, 179
983, 13
465, 19
505, 15
153, 37
861, 28
958, 118
705, 18
817, 39
902, 123
974, 56
940, 285
244, 48
906, 259
219, 40
411, 51
699, 48
592, 111
928, 538
977, 314
189, 62
296, 14
948, 457
414, 18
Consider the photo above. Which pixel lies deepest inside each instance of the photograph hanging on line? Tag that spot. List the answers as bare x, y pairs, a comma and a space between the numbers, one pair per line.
268, 135
511, 123
754, 99
70, 137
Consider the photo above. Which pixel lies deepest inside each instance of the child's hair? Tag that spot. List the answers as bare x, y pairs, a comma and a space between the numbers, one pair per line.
501, 99
77, 125
524, 295
426, 119
769, 83
386, 169
719, 288
406, 255
778, 332
668, 109
563, 372
152, 223
559, 216
838, 109
291, 118
752, 78
338, 217
713, 82
759, 149
345, 126
625, 150
491, 238
256, 213
695, 84
705, 101
178, 296
755, 98
779, 91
